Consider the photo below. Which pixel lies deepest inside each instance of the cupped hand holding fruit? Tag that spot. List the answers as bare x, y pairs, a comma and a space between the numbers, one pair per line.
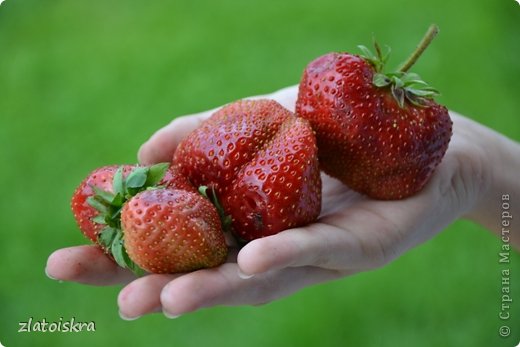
381, 134
255, 156
354, 233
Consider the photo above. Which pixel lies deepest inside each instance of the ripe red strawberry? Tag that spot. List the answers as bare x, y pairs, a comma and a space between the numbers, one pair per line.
261, 162
97, 202
171, 230
83, 212
381, 134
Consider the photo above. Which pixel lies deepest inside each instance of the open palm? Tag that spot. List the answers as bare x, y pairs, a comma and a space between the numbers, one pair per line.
353, 234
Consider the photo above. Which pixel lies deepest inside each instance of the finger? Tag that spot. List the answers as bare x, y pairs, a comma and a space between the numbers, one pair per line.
142, 296
86, 264
162, 144
286, 97
365, 235
317, 244
223, 286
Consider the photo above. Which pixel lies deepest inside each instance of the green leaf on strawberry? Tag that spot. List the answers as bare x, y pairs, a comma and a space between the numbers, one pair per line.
99, 219
156, 173
404, 85
137, 178
225, 219
379, 59
106, 237
112, 239
109, 203
118, 182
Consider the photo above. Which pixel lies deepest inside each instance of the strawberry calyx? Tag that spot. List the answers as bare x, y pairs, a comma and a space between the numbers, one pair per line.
225, 219
109, 205
404, 85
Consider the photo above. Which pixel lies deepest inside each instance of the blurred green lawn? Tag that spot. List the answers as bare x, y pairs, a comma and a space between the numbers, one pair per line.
84, 83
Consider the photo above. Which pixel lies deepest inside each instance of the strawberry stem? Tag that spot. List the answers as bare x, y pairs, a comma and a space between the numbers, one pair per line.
433, 30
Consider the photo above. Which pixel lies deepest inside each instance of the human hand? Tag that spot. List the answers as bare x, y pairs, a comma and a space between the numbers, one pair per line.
353, 234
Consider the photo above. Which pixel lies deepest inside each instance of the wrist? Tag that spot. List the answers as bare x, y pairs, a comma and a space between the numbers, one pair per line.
470, 176
482, 144
499, 192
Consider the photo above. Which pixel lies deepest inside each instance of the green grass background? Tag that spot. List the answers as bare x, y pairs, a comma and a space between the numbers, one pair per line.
84, 83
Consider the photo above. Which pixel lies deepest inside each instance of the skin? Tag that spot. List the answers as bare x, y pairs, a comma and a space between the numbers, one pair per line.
353, 233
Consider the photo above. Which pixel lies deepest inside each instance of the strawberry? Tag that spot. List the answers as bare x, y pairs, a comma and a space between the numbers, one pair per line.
260, 161
171, 230
98, 200
381, 134
83, 212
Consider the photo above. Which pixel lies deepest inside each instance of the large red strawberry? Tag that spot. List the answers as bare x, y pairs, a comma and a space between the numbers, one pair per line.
171, 230
97, 202
261, 163
381, 134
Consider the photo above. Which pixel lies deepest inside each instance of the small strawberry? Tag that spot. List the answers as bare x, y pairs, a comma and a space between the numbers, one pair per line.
381, 134
261, 163
97, 202
171, 230
83, 212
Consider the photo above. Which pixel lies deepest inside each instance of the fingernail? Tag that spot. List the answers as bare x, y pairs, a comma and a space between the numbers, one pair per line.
139, 154
47, 274
124, 317
169, 315
243, 275
143, 154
